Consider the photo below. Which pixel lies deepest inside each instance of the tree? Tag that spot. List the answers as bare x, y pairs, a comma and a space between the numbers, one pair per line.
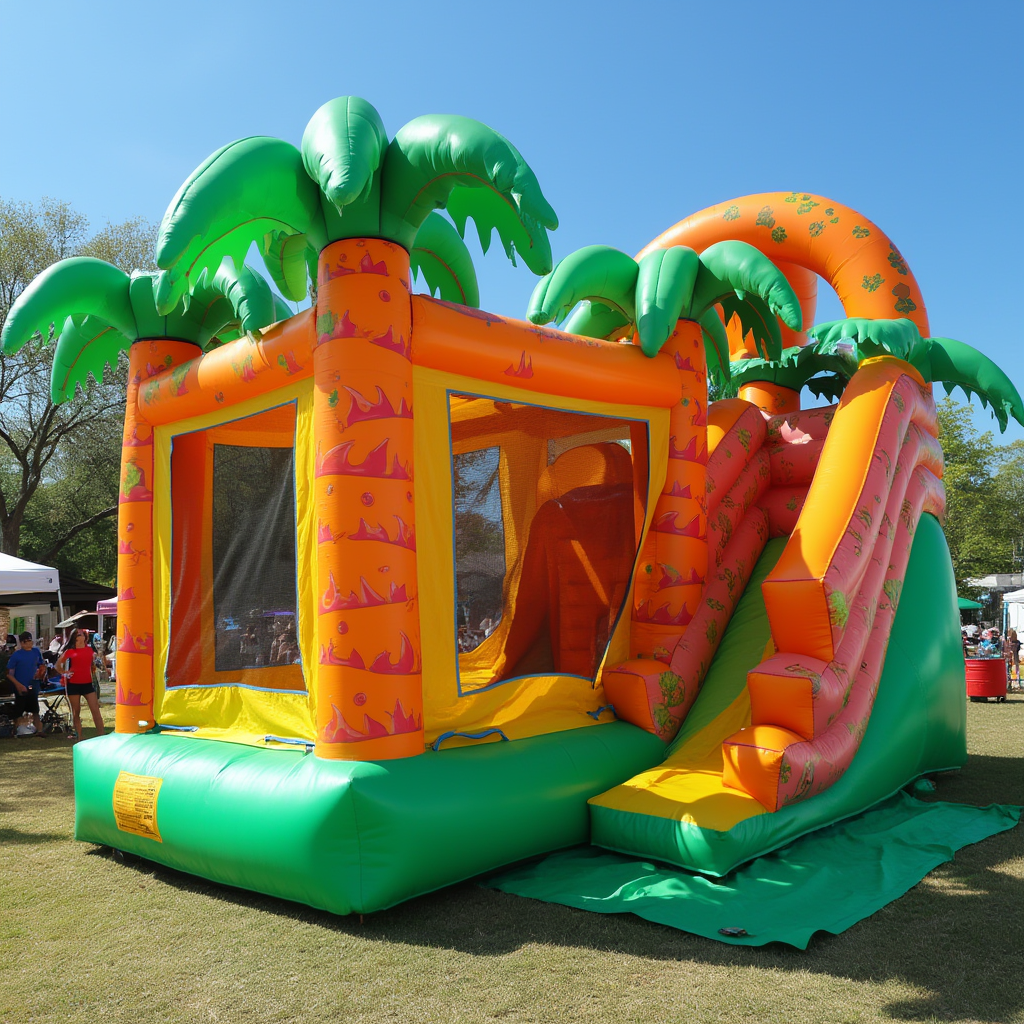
984, 491
58, 466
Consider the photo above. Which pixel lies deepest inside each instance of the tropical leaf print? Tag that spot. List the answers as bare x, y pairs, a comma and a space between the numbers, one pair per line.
838, 609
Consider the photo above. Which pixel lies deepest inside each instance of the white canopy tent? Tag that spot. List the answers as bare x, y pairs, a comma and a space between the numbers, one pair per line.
20, 577
1013, 611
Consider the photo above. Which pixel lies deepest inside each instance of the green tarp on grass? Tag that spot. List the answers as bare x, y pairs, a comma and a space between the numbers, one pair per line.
825, 881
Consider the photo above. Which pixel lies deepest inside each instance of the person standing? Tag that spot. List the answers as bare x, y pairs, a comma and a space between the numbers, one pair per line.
1011, 649
24, 671
77, 665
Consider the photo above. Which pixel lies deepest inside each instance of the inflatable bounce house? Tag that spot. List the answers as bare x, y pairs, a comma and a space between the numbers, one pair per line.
408, 591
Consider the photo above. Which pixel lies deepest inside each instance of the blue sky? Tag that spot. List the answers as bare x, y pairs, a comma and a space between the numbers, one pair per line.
632, 114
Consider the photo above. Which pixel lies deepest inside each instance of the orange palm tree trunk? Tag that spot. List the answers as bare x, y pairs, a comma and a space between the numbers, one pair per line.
134, 669
369, 700
674, 559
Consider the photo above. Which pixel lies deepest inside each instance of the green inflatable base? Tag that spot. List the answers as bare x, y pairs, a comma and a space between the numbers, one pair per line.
918, 725
351, 836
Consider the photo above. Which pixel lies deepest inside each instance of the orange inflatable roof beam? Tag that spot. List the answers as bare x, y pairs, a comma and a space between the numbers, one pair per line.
853, 254
232, 373
517, 353
523, 355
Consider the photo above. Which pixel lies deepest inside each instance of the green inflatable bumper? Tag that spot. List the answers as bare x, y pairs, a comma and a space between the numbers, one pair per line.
350, 836
918, 725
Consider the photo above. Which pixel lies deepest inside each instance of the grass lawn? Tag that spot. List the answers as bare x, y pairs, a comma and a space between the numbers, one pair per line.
86, 937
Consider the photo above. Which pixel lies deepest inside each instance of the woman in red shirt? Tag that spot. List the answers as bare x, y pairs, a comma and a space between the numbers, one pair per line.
76, 663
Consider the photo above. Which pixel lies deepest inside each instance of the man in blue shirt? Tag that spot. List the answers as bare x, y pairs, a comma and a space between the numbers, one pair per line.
23, 672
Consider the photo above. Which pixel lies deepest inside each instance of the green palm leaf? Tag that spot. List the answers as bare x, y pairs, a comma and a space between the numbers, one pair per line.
594, 319
743, 268
343, 149
90, 338
716, 347
826, 365
435, 154
441, 256
522, 224
282, 311
250, 302
828, 386
749, 286
796, 368
75, 286
868, 337
148, 322
957, 365
253, 190
85, 346
595, 272
664, 285
291, 262
756, 322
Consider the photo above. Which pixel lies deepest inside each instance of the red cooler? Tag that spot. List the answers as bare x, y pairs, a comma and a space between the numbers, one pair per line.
986, 677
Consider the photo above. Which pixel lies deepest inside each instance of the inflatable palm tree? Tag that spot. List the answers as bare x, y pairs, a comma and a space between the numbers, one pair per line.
349, 181
94, 311
826, 365
347, 216
619, 295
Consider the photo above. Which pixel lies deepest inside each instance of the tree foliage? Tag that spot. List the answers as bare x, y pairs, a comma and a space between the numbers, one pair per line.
984, 497
59, 465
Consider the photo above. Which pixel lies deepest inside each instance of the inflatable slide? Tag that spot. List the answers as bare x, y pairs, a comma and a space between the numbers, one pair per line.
409, 591
771, 727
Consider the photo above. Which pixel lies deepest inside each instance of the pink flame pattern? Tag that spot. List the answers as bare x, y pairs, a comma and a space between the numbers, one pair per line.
367, 597
524, 370
363, 409
666, 523
406, 537
400, 347
336, 462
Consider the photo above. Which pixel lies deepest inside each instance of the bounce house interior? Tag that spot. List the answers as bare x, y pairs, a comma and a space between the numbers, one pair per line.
409, 591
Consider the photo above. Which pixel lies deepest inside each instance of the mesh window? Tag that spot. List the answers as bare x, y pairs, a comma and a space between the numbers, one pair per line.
234, 609
548, 510
479, 545
254, 584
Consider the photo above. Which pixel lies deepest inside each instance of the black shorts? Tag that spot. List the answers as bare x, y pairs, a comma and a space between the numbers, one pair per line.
80, 689
26, 703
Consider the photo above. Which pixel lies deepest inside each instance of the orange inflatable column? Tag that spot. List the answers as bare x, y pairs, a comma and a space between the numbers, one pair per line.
771, 398
369, 704
674, 560
134, 712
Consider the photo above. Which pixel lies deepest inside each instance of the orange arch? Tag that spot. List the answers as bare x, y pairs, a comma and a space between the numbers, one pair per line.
855, 256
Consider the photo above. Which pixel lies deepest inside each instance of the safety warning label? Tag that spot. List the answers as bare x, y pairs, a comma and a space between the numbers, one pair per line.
135, 804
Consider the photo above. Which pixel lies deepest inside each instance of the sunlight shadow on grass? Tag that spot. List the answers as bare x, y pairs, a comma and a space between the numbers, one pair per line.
15, 837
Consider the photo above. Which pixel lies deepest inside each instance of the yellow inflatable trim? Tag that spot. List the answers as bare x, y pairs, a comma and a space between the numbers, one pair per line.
687, 786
